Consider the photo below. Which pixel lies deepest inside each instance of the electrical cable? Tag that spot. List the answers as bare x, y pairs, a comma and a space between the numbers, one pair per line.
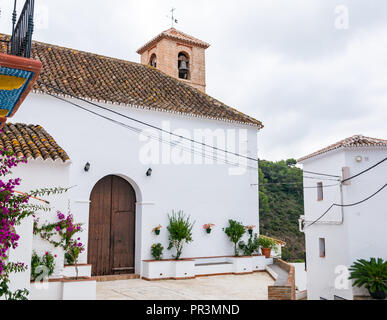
139, 131
144, 123
347, 205
369, 169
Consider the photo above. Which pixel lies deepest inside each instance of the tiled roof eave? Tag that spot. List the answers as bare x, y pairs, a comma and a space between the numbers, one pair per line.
259, 126
163, 35
341, 148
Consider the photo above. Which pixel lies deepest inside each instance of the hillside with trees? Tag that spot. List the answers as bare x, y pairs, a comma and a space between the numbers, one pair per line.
281, 204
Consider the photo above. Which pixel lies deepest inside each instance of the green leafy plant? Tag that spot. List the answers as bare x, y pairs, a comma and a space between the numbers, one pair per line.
180, 232
235, 232
267, 243
251, 246
42, 266
66, 229
157, 251
372, 275
71, 257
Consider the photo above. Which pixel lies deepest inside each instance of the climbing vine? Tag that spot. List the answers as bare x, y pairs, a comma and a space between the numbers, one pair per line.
14, 208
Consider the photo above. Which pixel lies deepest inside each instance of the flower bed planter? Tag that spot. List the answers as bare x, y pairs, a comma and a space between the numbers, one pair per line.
153, 270
258, 263
84, 288
49, 290
168, 269
242, 265
184, 269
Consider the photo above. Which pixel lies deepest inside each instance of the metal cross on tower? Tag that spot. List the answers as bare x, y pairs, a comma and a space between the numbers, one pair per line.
172, 17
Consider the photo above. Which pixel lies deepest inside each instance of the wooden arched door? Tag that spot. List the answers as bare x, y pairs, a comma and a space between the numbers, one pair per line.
111, 245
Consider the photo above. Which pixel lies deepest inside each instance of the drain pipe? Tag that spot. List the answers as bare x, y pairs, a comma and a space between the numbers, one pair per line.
302, 221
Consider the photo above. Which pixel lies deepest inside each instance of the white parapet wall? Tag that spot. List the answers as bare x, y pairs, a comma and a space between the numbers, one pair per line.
64, 289
191, 268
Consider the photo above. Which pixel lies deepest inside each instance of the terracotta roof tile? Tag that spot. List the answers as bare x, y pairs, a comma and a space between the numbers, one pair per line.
30, 141
174, 34
111, 80
356, 141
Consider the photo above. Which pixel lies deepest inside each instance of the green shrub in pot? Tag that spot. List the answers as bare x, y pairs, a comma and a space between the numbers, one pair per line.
372, 275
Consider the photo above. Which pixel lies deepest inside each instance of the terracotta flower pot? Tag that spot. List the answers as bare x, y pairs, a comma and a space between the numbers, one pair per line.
266, 252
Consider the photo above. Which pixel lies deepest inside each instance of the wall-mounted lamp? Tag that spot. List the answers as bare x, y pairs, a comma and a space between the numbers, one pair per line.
359, 159
149, 172
87, 167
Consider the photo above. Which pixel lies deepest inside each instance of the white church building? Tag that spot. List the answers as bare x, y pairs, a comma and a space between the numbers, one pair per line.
355, 227
113, 118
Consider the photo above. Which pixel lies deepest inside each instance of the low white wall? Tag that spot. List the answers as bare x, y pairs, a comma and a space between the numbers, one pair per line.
166, 269
300, 274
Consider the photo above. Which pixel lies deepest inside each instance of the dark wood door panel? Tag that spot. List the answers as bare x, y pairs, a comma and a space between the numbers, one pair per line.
112, 227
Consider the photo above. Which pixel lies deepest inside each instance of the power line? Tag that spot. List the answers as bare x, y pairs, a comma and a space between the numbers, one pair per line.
315, 178
139, 131
369, 169
145, 123
295, 183
347, 205
321, 174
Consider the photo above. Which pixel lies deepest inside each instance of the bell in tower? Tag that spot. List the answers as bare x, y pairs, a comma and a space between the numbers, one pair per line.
178, 55
183, 66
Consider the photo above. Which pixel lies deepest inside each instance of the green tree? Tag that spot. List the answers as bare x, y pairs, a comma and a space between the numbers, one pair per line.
281, 204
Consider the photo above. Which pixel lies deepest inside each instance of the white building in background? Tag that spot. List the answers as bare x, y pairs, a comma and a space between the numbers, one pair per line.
344, 234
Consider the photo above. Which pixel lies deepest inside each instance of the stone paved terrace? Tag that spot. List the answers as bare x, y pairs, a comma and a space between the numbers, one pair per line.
229, 287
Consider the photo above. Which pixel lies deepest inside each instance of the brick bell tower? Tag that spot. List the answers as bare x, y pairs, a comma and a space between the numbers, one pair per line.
178, 55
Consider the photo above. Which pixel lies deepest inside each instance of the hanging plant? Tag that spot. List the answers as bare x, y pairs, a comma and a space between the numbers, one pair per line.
157, 230
250, 229
208, 227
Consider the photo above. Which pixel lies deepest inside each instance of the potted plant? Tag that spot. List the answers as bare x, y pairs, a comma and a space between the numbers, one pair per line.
372, 275
42, 267
180, 232
250, 229
235, 231
157, 251
251, 246
157, 229
208, 227
266, 245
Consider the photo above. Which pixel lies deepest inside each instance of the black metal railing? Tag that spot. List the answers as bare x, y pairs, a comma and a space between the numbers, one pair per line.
22, 30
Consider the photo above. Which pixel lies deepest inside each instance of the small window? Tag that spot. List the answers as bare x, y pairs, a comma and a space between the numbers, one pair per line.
320, 191
322, 247
183, 66
153, 61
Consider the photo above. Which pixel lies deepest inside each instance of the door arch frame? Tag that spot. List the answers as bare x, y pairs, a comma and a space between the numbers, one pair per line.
138, 215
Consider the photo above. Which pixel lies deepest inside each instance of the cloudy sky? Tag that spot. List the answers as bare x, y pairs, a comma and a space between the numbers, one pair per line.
312, 71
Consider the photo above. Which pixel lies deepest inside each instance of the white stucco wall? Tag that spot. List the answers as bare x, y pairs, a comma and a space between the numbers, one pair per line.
360, 235
38, 174
208, 193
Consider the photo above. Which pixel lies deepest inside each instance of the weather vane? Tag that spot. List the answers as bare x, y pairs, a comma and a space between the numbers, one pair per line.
172, 16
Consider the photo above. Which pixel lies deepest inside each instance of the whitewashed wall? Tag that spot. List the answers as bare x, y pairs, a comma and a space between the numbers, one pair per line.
38, 174
206, 192
361, 234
